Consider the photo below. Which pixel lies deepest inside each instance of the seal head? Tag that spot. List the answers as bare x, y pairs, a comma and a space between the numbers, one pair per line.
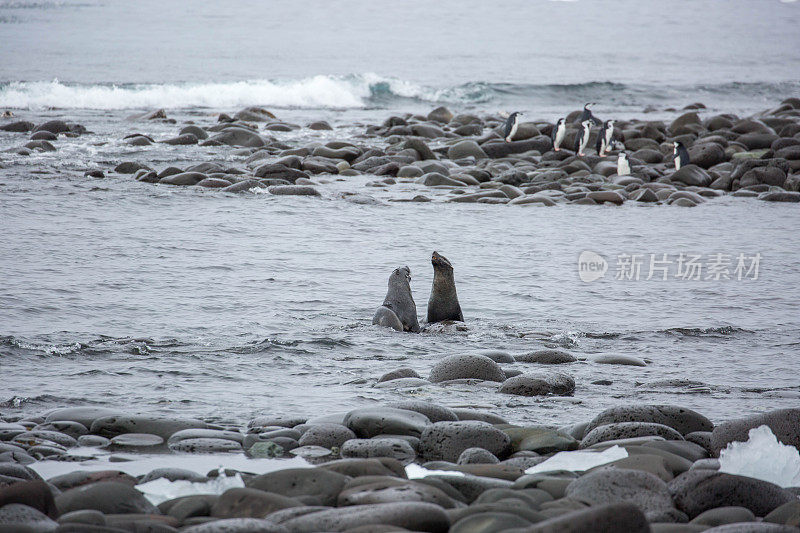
398, 310
443, 303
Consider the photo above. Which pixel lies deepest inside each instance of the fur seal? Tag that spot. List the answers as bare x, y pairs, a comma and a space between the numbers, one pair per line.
443, 303
398, 310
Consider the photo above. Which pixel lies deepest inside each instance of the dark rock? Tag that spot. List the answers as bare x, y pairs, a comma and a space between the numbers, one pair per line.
692, 175
21, 126
477, 456
466, 366
320, 125
489, 522
784, 423
326, 435
186, 138
129, 167
293, 190
757, 141
250, 503
441, 114
472, 414
414, 516
696, 491
197, 131
724, 515
766, 175
236, 525
371, 421
434, 411
184, 178
390, 490
539, 385
149, 115
319, 483
614, 518
244, 186
627, 430
679, 418
706, 154
107, 497
33, 493
237, 137
395, 448
381, 466
464, 149
646, 491
399, 373
549, 357
445, 441
173, 474
53, 126
495, 150
279, 171
16, 517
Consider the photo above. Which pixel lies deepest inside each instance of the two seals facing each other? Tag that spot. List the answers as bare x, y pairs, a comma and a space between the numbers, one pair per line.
399, 311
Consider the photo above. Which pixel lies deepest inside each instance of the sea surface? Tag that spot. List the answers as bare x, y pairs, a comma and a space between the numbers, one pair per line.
189, 302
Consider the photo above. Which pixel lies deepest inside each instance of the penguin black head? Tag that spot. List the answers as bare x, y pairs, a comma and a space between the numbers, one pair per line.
560, 121
676, 145
586, 124
589, 105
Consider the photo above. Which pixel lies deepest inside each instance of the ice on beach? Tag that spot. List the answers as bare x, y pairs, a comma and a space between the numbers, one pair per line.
161, 489
414, 471
579, 461
762, 457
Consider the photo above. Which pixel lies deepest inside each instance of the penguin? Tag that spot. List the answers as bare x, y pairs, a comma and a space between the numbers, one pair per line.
587, 114
559, 131
582, 140
681, 155
623, 166
511, 126
604, 139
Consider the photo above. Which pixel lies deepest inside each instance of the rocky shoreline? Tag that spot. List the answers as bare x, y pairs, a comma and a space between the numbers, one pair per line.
463, 157
411, 465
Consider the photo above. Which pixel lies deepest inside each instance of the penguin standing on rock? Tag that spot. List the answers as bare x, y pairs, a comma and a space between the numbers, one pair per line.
681, 155
559, 131
623, 166
605, 137
511, 126
582, 140
587, 114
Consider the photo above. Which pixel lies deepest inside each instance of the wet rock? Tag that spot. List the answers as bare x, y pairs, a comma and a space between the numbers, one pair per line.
646, 491
320, 125
148, 115
20, 126
539, 385
381, 466
254, 114
293, 190
399, 373
107, 497
610, 359
33, 493
627, 430
326, 435
606, 196
250, 503
433, 179
707, 154
472, 414
379, 447
244, 186
81, 477
434, 411
681, 419
613, 518
18, 517
464, 149
445, 441
724, 515
129, 167
94, 441
371, 421
786, 514
678, 126
784, 423
477, 456
390, 490
792, 197
489, 521
466, 366
214, 183
184, 139
205, 445
697, 491
173, 474
414, 516
237, 525
548, 357
318, 483
237, 137
197, 131
53, 126
692, 175
496, 150
441, 114
279, 171
139, 441
184, 178
767, 175
539, 439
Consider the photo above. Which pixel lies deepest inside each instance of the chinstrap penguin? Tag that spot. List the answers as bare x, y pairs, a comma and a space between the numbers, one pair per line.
681, 155
582, 140
512, 124
559, 132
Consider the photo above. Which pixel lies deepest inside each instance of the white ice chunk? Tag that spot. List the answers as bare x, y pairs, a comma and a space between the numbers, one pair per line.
762, 457
579, 461
161, 489
414, 471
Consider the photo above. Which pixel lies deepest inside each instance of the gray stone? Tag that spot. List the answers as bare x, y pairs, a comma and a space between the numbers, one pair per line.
250, 503
390, 490
464, 149
627, 430
237, 525
185, 139
434, 411
107, 497
724, 515
445, 441
696, 491
371, 421
784, 423
293, 190
548, 357
173, 474
679, 418
618, 359
692, 175
16, 517
414, 516
326, 435
477, 456
318, 483
379, 447
184, 178
538, 385
613, 518
645, 490
466, 366
237, 137
205, 445
111, 426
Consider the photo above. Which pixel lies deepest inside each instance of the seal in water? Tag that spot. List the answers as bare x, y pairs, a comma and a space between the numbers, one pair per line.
443, 303
398, 310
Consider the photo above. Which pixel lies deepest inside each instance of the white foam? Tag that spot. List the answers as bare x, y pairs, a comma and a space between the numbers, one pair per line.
762, 457
161, 489
579, 461
337, 92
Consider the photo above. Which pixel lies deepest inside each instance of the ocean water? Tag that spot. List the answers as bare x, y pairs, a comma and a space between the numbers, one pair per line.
195, 303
